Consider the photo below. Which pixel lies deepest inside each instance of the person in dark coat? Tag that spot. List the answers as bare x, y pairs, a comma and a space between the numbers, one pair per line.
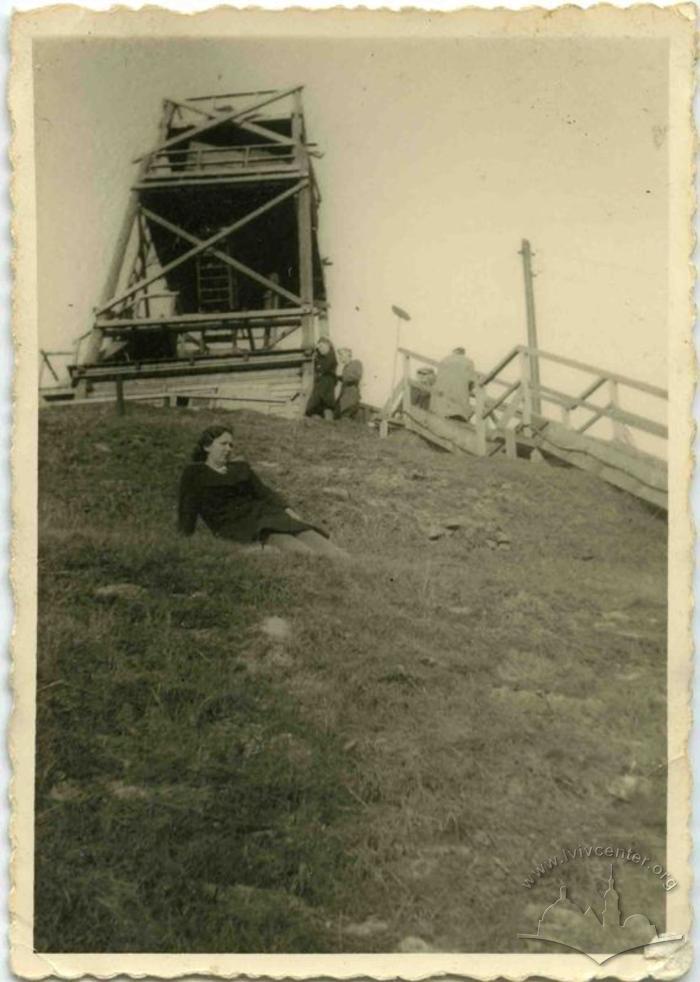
322, 396
235, 504
348, 402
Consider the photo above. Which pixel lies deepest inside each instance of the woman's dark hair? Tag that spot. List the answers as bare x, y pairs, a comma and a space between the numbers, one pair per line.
206, 438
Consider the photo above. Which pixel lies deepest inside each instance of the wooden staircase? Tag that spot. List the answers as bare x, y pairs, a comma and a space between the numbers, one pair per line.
504, 420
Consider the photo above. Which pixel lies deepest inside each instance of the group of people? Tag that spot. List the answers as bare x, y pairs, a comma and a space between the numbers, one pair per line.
323, 400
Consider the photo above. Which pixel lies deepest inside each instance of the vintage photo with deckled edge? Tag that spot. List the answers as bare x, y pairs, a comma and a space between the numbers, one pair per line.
411, 292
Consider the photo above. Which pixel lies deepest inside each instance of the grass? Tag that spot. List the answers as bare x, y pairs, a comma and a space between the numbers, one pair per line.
445, 715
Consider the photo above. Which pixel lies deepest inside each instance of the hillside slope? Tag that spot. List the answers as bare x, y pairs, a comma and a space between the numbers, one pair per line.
382, 768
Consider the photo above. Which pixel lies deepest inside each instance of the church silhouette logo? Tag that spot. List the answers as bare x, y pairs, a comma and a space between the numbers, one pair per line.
563, 924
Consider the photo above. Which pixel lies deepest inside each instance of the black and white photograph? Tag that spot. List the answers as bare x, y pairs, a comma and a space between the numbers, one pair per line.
354, 428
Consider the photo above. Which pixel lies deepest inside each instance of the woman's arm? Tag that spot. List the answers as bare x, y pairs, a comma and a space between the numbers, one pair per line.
188, 503
266, 493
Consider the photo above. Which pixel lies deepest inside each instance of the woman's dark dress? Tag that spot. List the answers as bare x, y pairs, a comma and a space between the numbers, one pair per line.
235, 505
323, 393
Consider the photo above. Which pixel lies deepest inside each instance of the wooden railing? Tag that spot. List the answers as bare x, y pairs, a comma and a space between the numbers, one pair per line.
212, 160
499, 415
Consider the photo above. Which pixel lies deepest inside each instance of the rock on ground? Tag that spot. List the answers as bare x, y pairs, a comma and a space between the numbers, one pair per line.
277, 629
120, 591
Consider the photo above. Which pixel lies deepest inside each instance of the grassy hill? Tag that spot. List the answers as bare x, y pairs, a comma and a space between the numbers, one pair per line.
381, 769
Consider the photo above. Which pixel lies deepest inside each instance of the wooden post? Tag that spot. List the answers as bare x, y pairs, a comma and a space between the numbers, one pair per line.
143, 258
406, 396
526, 253
120, 396
304, 229
525, 388
619, 432
509, 436
480, 401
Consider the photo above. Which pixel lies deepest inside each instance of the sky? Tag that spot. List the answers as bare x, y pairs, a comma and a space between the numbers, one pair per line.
440, 156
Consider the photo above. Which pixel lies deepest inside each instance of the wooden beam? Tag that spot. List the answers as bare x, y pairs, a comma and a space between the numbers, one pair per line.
503, 363
479, 421
281, 336
189, 320
225, 258
511, 409
510, 445
395, 399
619, 429
593, 387
48, 364
609, 411
130, 216
597, 415
192, 109
202, 178
212, 364
304, 229
94, 344
638, 422
652, 390
120, 396
202, 245
225, 118
526, 253
259, 130
492, 406
230, 95
413, 354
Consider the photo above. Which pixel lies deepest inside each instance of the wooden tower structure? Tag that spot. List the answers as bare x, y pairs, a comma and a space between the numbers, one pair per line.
216, 283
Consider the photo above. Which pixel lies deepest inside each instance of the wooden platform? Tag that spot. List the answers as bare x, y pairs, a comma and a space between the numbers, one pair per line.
276, 384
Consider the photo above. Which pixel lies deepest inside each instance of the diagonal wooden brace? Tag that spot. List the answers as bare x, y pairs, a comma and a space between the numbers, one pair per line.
250, 127
248, 124
224, 257
223, 118
194, 109
200, 247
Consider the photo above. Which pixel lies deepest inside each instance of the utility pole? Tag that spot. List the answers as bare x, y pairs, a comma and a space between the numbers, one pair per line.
534, 361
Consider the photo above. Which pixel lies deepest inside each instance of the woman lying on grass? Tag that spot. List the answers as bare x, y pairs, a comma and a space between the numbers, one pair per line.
235, 504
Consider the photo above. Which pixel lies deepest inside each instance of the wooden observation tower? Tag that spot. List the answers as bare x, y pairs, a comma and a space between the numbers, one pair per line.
216, 288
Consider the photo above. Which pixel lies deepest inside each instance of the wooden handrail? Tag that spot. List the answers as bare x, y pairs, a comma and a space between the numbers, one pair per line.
491, 406
552, 395
593, 370
481, 379
423, 358
609, 412
588, 391
503, 363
